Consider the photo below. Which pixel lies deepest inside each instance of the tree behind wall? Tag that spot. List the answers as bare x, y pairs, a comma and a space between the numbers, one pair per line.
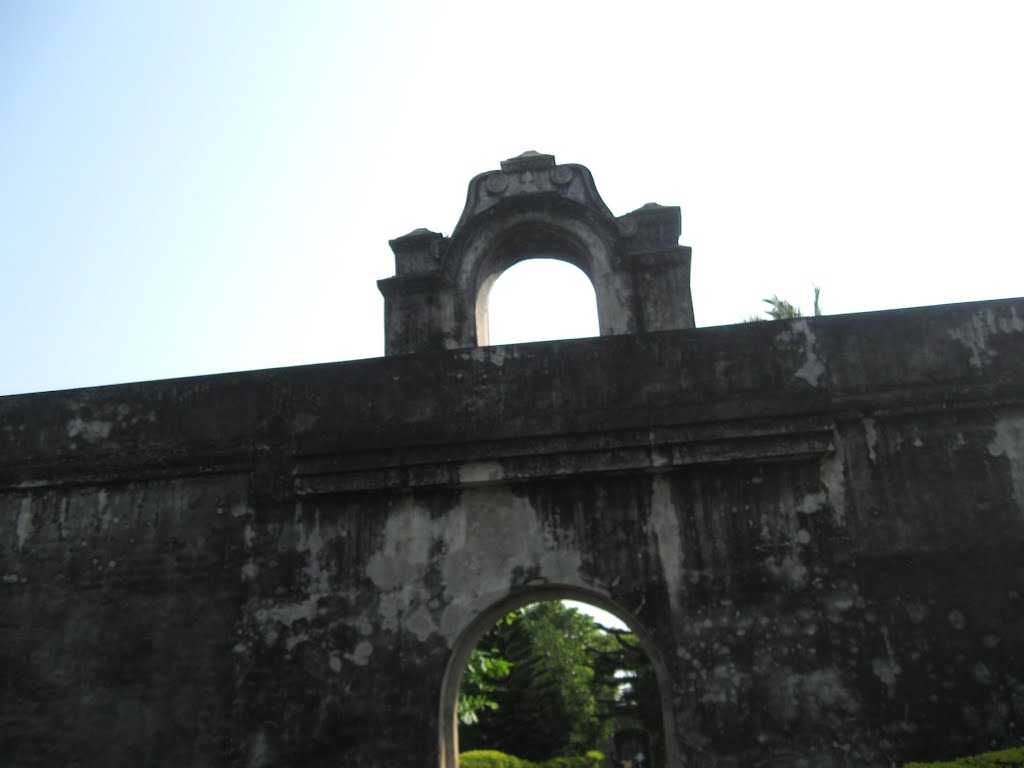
548, 705
780, 309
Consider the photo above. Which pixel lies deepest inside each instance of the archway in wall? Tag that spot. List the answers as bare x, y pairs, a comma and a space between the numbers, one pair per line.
539, 299
541, 678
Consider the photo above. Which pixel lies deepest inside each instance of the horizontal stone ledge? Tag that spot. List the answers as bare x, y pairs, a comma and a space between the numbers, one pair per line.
343, 447
109, 473
645, 435
421, 462
663, 457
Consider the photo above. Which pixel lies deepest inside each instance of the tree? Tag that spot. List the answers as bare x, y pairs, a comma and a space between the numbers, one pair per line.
625, 669
564, 682
780, 309
485, 672
547, 705
480, 681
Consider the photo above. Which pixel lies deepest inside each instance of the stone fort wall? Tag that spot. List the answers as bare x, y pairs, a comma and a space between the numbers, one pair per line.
816, 527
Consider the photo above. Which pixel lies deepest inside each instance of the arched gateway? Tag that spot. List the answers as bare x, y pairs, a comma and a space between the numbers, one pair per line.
534, 208
816, 526
510, 600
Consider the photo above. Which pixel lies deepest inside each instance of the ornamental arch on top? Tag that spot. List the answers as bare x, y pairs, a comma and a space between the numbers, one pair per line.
535, 208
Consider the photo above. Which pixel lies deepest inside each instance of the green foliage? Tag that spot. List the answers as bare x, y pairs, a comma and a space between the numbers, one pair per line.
1006, 758
629, 685
490, 758
561, 692
593, 759
482, 678
780, 309
547, 705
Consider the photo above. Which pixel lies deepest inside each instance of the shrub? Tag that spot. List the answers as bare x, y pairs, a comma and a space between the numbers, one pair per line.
1008, 758
492, 758
592, 759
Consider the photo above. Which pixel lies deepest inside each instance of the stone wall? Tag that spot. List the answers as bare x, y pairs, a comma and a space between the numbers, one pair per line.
817, 526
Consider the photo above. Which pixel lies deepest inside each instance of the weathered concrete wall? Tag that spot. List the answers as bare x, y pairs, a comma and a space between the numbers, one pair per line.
817, 525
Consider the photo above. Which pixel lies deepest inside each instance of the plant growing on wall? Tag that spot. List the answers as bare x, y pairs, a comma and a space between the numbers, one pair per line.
780, 309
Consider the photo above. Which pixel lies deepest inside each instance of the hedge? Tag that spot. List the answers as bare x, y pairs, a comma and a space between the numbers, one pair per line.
490, 758
1005, 758
590, 760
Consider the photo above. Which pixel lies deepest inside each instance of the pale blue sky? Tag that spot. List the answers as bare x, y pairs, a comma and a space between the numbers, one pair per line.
194, 187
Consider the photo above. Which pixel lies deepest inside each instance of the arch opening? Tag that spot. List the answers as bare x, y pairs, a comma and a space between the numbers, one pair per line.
556, 674
539, 298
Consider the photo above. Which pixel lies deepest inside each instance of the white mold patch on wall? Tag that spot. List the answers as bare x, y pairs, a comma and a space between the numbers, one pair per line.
974, 334
493, 355
408, 536
832, 475
478, 547
303, 422
871, 438
665, 526
788, 571
90, 430
811, 503
104, 514
258, 752
240, 509
399, 568
360, 656
24, 524
793, 695
311, 541
273, 620
886, 668
1008, 442
725, 684
800, 332
421, 623
476, 472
